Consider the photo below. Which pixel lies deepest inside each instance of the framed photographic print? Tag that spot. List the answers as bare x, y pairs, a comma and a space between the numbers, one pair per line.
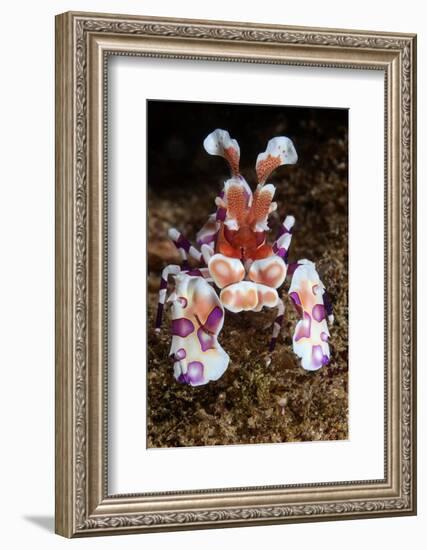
235, 274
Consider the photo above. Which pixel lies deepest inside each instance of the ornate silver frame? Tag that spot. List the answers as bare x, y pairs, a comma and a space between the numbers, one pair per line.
83, 42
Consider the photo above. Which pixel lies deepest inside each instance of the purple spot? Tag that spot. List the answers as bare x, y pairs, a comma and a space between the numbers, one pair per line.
324, 337
207, 341
183, 243
183, 379
195, 371
182, 327
317, 356
180, 354
214, 319
282, 231
221, 214
325, 360
295, 298
281, 252
163, 283
183, 301
319, 312
303, 328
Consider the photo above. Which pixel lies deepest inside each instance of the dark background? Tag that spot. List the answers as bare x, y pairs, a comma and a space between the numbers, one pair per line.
246, 404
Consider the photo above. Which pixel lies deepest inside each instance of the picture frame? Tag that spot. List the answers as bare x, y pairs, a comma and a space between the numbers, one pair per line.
84, 42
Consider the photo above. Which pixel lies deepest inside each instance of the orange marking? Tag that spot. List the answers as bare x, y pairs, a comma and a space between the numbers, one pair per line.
271, 273
232, 158
225, 274
246, 300
201, 303
270, 296
306, 295
242, 243
236, 202
224, 247
267, 298
244, 238
240, 297
226, 296
266, 166
260, 206
261, 252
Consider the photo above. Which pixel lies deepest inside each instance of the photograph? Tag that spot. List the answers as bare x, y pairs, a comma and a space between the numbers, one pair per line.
235, 271
247, 274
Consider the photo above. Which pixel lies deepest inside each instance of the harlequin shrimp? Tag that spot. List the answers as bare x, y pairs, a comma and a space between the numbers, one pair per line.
239, 270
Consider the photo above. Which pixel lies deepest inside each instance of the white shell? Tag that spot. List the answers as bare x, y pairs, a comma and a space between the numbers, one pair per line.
281, 147
225, 271
198, 356
269, 271
310, 339
248, 296
217, 141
